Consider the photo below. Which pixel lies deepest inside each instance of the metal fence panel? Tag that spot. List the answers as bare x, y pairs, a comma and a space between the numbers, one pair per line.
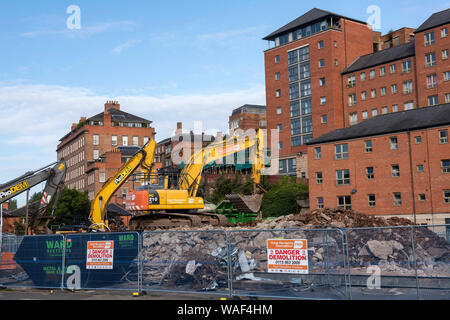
106, 261
37, 261
252, 256
432, 255
185, 261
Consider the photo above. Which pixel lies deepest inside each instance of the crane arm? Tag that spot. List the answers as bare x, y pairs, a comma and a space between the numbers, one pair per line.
191, 174
144, 157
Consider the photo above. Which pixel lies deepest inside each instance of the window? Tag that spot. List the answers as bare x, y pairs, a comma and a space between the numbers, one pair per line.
422, 197
135, 141
445, 164
101, 177
280, 127
363, 95
323, 118
397, 199
277, 59
374, 112
395, 108
307, 124
306, 106
430, 59
320, 204
447, 98
409, 105
372, 74
446, 196
407, 87
393, 68
318, 153
443, 136
321, 44
432, 81
363, 76
351, 81
406, 66
335, 44
418, 139
394, 143
279, 110
114, 140
352, 99
383, 91
95, 154
277, 76
341, 151
125, 140
372, 202
433, 100
280, 145
382, 71
395, 170
444, 33
394, 89
345, 202
294, 91
296, 141
429, 39
364, 115
319, 178
322, 82
353, 118
343, 177
419, 168
445, 54
370, 173
95, 140
373, 93
321, 63
146, 139
447, 76
323, 100
293, 73
278, 93
305, 88
384, 110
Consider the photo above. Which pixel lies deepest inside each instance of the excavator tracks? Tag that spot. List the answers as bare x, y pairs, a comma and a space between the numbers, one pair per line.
170, 220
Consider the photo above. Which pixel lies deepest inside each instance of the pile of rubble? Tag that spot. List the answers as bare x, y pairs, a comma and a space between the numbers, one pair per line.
198, 258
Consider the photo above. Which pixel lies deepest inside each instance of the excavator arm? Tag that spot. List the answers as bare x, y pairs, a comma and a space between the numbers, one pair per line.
144, 158
192, 173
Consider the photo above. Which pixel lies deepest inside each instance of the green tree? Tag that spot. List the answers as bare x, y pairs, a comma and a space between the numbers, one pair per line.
282, 198
12, 204
72, 205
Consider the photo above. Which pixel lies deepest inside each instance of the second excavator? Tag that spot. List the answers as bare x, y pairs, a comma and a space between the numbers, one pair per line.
156, 206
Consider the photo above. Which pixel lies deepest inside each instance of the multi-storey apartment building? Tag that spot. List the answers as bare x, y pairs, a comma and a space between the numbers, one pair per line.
327, 72
393, 164
95, 136
248, 117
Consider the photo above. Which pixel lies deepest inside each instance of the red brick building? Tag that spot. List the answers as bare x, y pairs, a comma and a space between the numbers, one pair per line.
248, 117
327, 72
393, 164
98, 135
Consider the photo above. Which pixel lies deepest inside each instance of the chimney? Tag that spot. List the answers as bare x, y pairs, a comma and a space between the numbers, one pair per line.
74, 126
112, 105
179, 130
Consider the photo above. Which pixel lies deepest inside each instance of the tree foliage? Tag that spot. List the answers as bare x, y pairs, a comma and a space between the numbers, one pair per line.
281, 198
73, 205
226, 186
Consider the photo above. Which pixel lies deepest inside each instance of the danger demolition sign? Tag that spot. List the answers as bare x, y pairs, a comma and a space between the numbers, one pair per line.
100, 255
287, 256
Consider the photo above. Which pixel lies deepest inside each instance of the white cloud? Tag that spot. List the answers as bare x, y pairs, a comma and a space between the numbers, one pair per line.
90, 30
34, 117
128, 44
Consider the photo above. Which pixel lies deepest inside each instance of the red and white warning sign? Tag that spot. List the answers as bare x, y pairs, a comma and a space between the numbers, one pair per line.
100, 255
287, 256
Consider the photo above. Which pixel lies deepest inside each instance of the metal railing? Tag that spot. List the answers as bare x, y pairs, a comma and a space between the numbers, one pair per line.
411, 262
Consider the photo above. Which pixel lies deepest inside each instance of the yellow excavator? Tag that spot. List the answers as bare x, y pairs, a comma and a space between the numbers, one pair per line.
156, 206
98, 215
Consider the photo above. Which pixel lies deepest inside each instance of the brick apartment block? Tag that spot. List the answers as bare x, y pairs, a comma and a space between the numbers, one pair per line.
325, 71
248, 117
393, 164
94, 137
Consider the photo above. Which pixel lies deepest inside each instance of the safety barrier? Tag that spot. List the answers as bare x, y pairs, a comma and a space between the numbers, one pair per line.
411, 262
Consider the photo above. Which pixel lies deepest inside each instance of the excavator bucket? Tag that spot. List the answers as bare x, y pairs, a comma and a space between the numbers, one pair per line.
249, 204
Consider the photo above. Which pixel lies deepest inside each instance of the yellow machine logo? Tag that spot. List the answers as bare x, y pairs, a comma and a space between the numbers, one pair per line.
123, 174
14, 189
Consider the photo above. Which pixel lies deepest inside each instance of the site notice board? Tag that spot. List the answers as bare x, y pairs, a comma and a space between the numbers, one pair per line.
287, 256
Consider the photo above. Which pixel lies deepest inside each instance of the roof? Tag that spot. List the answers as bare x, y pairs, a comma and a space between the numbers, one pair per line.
311, 16
416, 119
250, 108
127, 150
119, 116
436, 20
381, 57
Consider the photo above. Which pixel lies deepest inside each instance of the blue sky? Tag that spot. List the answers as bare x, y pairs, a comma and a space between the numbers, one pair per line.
166, 61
